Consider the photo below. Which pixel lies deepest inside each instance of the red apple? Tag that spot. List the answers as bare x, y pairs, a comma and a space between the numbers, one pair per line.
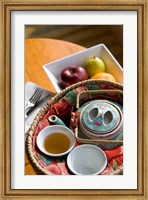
71, 75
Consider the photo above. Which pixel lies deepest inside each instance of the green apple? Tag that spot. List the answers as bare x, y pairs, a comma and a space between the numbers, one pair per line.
93, 66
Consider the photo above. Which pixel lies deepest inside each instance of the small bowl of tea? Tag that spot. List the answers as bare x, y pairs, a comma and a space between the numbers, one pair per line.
56, 140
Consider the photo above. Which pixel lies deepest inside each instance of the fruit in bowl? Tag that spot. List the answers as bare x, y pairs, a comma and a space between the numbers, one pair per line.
94, 66
71, 75
104, 76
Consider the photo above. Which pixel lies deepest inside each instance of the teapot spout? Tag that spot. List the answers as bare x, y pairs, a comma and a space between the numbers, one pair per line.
56, 120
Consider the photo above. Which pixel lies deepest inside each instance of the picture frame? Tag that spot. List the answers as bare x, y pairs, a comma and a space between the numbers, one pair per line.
5, 137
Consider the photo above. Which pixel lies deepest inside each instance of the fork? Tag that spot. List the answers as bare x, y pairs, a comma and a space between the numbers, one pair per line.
34, 98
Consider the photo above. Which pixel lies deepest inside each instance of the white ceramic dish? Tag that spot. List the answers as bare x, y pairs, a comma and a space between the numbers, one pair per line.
54, 69
86, 159
52, 130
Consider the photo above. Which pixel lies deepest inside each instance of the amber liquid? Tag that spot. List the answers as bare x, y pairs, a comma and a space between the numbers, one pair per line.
56, 143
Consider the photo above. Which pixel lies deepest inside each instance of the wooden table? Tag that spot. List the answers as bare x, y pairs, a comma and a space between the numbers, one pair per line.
39, 52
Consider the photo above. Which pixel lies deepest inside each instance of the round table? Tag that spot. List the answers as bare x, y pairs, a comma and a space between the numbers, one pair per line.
37, 53
42, 51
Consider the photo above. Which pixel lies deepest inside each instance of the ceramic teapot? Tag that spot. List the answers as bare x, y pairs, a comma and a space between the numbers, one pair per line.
99, 121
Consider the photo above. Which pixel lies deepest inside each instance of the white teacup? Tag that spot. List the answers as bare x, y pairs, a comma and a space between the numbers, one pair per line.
56, 140
86, 159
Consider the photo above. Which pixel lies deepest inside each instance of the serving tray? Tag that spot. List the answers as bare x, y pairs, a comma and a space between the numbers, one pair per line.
62, 105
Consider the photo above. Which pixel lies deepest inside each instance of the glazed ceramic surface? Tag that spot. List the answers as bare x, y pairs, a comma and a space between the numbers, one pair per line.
100, 117
116, 134
52, 130
86, 160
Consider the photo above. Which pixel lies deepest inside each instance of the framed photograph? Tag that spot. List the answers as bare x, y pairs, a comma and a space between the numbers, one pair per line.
37, 39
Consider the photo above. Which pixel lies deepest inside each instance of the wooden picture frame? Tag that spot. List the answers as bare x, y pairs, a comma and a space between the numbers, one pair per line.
5, 72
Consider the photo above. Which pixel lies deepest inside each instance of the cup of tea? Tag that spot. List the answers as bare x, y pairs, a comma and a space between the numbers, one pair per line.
87, 159
56, 140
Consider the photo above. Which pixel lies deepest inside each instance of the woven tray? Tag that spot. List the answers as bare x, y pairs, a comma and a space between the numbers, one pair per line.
41, 162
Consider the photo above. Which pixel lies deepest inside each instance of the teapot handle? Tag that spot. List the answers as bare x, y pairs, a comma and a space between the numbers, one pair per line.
74, 119
95, 92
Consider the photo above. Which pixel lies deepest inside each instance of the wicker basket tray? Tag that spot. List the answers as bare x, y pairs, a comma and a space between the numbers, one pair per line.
37, 158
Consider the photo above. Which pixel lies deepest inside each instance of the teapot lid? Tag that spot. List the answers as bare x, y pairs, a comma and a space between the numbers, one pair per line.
100, 117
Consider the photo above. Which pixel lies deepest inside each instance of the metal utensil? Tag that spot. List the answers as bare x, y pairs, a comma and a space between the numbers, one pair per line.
31, 110
33, 100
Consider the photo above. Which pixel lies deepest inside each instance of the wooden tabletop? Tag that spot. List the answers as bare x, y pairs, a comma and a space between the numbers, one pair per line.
42, 51
37, 53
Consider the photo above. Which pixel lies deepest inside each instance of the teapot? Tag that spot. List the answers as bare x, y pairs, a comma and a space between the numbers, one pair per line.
99, 121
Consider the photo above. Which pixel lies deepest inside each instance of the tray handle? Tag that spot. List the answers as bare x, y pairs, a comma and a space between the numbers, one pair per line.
95, 92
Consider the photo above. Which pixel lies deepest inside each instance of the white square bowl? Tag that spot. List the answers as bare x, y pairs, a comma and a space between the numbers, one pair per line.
54, 69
